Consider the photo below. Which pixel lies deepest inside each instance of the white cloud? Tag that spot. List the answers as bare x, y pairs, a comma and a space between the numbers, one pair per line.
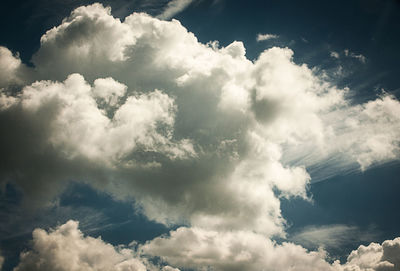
108, 91
174, 7
150, 102
66, 248
198, 249
9, 66
375, 257
13, 74
195, 134
364, 135
80, 128
331, 236
263, 37
334, 54
359, 57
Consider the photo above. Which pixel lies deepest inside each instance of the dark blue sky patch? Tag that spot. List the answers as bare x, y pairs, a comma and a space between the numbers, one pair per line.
365, 200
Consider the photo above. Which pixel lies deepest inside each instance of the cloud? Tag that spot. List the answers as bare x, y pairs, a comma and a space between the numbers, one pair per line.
334, 54
348, 53
331, 236
66, 248
174, 7
150, 113
360, 57
195, 134
263, 37
12, 71
375, 257
1, 261
199, 249
363, 134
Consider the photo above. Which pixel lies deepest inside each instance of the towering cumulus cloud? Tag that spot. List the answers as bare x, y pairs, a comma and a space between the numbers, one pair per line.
196, 134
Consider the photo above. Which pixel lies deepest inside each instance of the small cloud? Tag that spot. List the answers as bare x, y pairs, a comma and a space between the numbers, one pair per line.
335, 54
263, 37
331, 236
174, 7
359, 57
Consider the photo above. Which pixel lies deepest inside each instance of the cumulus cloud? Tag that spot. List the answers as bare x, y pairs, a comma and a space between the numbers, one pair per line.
196, 134
201, 249
262, 37
375, 257
149, 112
66, 248
10, 68
242, 250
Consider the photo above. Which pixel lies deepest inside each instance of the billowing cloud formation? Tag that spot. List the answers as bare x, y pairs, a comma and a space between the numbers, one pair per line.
195, 134
375, 257
241, 250
66, 248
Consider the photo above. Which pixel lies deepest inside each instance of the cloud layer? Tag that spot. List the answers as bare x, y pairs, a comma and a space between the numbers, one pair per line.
196, 134
66, 248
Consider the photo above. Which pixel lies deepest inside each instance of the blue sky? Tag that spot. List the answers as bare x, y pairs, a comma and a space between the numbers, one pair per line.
199, 134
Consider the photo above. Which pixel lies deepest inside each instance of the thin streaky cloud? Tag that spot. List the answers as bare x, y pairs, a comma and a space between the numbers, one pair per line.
263, 37
174, 7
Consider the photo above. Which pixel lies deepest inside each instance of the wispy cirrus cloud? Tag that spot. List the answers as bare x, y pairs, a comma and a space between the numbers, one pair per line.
174, 7
332, 236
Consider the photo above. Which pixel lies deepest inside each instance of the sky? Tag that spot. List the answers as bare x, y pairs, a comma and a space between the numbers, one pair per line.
199, 135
